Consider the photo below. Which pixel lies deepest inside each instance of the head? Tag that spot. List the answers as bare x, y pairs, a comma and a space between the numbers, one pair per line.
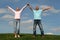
37, 8
17, 9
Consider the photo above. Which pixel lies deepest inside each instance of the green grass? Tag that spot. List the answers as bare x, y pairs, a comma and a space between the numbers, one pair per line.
29, 37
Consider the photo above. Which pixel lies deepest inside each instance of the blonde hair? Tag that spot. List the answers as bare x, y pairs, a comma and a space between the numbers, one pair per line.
17, 9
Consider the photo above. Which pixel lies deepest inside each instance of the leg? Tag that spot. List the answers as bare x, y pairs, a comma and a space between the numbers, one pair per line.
41, 28
18, 31
15, 29
34, 28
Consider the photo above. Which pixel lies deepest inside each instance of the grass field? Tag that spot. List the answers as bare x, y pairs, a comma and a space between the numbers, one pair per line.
29, 37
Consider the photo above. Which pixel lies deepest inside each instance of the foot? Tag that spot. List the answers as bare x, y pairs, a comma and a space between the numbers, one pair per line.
18, 36
15, 36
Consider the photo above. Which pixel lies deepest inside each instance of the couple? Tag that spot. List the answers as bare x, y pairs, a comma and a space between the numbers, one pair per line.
37, 19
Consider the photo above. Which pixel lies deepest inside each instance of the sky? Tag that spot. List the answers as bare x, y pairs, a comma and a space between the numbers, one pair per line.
50, 18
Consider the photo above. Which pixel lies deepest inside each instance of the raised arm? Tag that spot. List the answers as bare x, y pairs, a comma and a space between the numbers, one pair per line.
11, 9
23, 8
46, 8
30, 7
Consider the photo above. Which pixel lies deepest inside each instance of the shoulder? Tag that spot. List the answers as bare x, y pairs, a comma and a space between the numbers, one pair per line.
40, 9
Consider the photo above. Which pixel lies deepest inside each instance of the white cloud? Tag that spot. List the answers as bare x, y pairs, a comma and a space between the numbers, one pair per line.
30, 27
43, 6
45, 14
21, 23
3, 10
56, 29
49, 33
11, 23
52, 10
28, 21
7, 16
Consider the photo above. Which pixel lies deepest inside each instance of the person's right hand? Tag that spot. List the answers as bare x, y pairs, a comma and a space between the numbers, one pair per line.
28, 4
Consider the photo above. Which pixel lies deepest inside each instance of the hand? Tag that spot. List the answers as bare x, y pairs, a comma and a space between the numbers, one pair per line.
28, 4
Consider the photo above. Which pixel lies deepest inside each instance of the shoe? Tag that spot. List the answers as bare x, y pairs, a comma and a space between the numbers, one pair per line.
15, 36
18, 36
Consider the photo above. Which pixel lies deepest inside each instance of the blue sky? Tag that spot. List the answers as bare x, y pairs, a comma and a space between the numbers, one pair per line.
50, 19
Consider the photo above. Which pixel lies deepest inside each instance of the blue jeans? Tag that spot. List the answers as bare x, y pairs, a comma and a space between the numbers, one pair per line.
37, 22
17, 26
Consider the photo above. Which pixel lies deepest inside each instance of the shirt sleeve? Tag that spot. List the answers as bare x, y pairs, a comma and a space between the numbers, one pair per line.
33, 10
41, 10
23, 8
11, 9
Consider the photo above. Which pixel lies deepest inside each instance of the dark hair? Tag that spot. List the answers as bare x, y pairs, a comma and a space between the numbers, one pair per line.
37, 8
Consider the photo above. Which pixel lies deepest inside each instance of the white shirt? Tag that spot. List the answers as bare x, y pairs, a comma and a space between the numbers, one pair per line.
17, 13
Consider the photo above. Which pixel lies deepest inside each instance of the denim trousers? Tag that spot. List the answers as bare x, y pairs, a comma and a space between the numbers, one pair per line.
17, 26
37, 22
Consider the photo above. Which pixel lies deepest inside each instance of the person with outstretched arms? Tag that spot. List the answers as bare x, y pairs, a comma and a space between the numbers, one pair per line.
37, 18
17, 18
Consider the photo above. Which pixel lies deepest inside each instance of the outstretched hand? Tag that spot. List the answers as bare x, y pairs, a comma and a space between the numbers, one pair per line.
28, 4
49, 7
